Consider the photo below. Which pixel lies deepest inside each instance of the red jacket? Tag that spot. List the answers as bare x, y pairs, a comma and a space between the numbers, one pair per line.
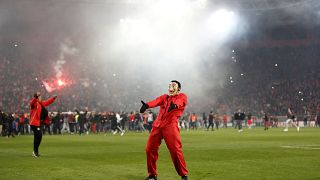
164, 117
36, 108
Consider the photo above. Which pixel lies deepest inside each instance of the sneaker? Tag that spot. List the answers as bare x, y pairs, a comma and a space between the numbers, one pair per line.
285, 130
35, 154
240, 130
298, 128
184, 177
151, 178
122, 133
114, 132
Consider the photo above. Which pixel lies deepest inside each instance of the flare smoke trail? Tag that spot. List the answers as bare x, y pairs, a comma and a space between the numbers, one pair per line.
66, 48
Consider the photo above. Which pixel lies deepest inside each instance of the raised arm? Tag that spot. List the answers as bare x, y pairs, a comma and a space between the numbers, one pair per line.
158, 101
49, 101
154, 103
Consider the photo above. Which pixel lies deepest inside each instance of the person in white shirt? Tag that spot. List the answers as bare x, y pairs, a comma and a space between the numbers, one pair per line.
291, 120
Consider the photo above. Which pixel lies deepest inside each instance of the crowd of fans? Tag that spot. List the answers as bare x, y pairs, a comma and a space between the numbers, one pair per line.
82, 123
260, 80
273, 79
79, 122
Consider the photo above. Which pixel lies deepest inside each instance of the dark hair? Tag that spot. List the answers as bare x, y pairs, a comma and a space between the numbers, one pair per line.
179, 85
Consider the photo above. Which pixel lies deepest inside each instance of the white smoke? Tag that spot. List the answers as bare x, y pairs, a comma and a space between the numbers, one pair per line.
66, 48
169, 40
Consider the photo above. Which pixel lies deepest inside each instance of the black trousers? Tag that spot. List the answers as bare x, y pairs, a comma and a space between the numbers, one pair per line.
81, 131
239, 124
210, 124
37, 137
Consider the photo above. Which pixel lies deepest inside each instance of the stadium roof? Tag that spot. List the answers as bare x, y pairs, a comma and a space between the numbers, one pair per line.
270, 12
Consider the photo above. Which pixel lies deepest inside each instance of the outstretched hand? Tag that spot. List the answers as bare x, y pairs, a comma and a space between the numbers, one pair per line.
172, 106
144, 107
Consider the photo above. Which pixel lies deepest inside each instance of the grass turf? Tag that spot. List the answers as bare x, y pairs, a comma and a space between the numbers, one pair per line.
222, 154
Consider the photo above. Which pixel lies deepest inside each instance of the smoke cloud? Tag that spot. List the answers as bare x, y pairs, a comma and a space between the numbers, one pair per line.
130, 50
66, 48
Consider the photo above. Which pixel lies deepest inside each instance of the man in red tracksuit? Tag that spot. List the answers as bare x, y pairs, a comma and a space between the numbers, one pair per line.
38, 112
166, 127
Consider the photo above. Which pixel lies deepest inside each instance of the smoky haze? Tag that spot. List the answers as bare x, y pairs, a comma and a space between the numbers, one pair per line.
128, 50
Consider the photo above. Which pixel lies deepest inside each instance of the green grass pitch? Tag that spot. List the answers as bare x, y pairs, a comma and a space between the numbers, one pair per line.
220, 154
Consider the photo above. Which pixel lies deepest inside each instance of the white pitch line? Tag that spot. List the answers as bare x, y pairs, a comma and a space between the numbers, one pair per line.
302, 147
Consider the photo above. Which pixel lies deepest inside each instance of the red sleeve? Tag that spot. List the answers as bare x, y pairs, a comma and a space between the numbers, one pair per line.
181, 102
48, 101
157, 102
33, 102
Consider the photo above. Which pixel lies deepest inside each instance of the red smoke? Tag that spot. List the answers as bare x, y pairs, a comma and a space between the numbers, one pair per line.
56, 84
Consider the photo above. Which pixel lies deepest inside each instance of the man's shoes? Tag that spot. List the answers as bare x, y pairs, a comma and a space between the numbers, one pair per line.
34, 154
184, 177
298, 128
151, 178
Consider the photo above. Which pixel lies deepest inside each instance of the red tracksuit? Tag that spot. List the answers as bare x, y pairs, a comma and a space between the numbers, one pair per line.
166, 127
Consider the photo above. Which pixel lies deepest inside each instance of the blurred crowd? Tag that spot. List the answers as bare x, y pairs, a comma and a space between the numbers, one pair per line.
85, 122
273, 79
259, 80
79, 122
